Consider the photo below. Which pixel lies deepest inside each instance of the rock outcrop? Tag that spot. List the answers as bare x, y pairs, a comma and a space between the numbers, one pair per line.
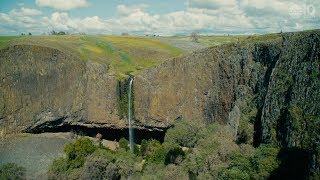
42, 87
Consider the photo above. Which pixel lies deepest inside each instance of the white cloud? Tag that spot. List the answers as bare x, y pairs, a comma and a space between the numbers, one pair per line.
139, 21
267, 7
126, 10
25, 12
62, 4
212, 4
61, 21
230, 16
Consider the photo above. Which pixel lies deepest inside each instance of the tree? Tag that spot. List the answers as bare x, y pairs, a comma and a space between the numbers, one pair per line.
61, 33
124, 34
12, 171
183, 133
123, 143
148, 147
78, 150
194, 36
29, 34
53, 32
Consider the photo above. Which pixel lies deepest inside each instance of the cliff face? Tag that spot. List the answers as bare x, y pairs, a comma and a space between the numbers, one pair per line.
276, 79
205, 85
267, 92
43, 87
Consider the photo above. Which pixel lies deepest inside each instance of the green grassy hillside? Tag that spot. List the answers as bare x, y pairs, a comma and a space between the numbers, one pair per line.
123, 54
126, 54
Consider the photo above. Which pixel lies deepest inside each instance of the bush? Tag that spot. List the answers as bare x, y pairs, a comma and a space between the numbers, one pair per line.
126, 162
212, 152
183, 133
174, 172
175, 156
100, 168
159, 171
136, 150
260, 165
58, 168
68, 168
234, 173
12, 171
265, 160
164, 154
158, 156
148, 147
77, 151
124, 144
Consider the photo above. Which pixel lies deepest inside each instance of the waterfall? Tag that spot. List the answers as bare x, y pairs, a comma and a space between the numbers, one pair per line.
129, 116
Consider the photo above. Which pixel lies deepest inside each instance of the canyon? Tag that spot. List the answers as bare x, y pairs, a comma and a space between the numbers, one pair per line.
266, 91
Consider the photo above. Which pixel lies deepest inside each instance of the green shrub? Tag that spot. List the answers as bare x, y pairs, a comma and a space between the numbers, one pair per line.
158, 156
112, 172
162, 153
260, 165
174, 172
100, 168
152, 171
246, 121
77, 151
143, 147
70, 167
234, 173
241, 162
148, 147
120, 163
265, 161
11, 171
183, 133
213, 151
305, 127
124, 144
175, 155
58, 168
136, 150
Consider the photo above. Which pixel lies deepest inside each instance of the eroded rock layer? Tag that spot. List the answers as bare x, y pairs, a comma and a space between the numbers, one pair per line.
41, 86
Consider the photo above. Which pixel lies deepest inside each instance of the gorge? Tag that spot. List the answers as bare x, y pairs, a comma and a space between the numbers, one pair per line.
267, 91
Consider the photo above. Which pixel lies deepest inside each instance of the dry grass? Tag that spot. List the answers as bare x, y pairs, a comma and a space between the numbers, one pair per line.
126, 54
123, 54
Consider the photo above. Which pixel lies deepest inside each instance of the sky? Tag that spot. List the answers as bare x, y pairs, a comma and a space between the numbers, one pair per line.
160, 17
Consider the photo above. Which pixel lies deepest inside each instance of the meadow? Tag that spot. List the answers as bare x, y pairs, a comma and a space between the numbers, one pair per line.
126, 54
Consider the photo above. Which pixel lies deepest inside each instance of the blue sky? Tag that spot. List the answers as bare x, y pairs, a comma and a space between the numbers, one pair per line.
164, 17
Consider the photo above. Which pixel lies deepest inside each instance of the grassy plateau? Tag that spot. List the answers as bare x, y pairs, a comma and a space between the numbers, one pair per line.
126, 54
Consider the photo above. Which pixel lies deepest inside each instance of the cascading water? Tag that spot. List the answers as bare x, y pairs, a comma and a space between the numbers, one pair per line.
129, 116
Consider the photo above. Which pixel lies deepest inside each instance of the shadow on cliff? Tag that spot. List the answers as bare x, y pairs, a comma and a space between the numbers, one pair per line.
293, 164
107, 133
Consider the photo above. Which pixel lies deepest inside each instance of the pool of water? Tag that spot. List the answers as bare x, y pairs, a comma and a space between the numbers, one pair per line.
33, 152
